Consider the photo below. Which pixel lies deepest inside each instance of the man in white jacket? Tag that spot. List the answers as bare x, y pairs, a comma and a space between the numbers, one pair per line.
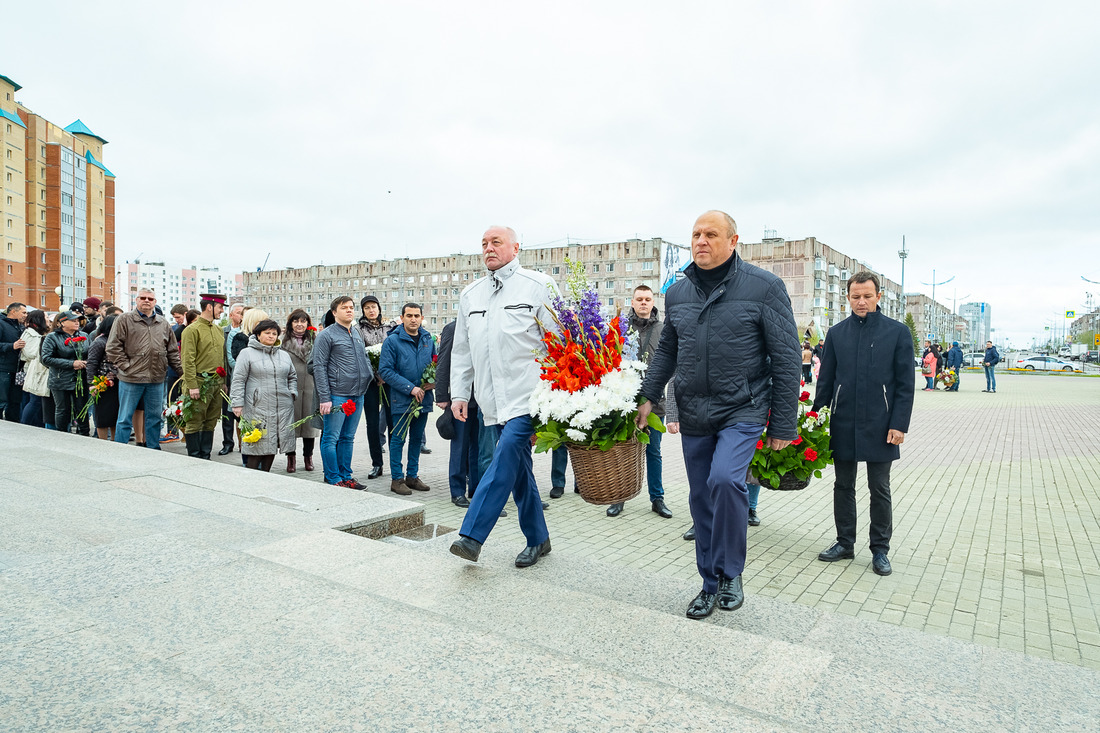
496, 341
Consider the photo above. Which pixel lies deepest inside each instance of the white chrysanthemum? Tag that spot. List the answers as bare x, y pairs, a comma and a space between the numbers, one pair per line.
576, 435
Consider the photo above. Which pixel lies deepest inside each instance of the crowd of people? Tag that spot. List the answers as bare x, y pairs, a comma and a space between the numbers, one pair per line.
140, 376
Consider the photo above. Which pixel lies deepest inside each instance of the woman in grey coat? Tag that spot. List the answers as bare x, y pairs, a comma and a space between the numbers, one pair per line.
265, 386
298, 343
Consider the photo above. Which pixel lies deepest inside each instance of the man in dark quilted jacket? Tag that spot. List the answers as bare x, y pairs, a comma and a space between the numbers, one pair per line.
731, 347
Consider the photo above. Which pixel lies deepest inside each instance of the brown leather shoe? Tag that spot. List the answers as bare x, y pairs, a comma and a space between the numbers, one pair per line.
414, 483
398, 486
291, 463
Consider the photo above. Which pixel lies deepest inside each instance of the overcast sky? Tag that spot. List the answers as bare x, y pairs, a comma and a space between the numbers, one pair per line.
361, 130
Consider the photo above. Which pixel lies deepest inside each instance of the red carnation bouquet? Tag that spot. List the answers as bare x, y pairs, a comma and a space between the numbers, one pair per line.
806, 456
77, 342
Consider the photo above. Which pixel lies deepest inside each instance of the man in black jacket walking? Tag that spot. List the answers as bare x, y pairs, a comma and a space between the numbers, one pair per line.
731, 344
867, 379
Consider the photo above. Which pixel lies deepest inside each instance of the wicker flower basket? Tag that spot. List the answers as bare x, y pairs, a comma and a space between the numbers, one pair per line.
787, 482
609, 477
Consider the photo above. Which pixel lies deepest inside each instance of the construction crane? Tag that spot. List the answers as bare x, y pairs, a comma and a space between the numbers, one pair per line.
262, 267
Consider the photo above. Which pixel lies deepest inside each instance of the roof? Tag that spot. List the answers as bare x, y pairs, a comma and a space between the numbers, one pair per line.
92, 161
79, 128
11, 81
13, 117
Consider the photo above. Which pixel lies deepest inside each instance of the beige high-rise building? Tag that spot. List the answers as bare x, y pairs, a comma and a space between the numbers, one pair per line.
57, 210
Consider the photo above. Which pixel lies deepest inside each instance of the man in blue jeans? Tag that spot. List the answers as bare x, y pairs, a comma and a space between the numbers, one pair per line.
497, 333
142, 346
406, 354
341, 373
991, 359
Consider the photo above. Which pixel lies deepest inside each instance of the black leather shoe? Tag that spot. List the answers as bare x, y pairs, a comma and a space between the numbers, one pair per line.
702, 606
556, 492
690, 534
460, 501
836, 552
425, 451
226, 450
545, 505
730, 594
661, 510
881, 564
466, 548
531, 555
754, 518
375, 472
615, 510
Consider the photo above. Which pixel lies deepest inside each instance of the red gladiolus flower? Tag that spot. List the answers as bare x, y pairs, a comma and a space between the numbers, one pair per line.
810, 454
759, 444
220, 372
805, 396
797, 440
348, 408
812, 414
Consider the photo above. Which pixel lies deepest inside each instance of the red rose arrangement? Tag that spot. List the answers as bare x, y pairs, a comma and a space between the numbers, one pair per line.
807, 454
77, 342
348, 408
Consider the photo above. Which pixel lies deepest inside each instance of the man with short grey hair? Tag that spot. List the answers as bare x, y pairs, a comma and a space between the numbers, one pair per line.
142, 346
11, 346
730, 345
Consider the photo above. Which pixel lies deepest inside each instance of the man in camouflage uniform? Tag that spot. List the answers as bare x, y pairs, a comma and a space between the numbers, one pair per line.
203, 348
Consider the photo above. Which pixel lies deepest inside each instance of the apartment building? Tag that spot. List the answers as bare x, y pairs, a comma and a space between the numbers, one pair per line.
57, 209
435, 283
175, 284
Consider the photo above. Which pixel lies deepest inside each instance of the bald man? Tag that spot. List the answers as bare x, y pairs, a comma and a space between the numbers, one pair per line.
495, 340
731, 345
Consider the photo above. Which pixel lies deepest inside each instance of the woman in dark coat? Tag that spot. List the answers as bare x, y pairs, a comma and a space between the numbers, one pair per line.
298, 343
106, 407
59, 353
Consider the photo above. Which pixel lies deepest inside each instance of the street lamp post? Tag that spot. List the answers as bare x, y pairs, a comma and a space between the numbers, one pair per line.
939, 331
60, 292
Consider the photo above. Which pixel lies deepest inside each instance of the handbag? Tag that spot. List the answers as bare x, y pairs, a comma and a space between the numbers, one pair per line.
20, 376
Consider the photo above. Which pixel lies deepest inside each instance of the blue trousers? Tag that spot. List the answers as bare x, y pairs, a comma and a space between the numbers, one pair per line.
416, 442
487, 437
338, 439
754, 494
990, 379
509, 473
150, 395
463, 469
559, 459
719, 499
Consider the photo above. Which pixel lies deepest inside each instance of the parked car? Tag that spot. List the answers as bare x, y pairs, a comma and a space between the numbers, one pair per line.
974, 359
1049, 363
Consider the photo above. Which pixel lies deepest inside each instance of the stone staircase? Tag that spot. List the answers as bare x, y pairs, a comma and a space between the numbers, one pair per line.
152, 592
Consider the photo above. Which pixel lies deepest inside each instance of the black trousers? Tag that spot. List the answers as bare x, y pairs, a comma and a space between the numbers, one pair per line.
844, 504
66, 404
11, 397
371, 408
808, 373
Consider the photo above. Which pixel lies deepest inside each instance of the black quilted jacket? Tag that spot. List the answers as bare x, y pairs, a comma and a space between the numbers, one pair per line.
735, 354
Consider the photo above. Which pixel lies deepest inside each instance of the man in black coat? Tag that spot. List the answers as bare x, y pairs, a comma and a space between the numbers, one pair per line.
11, 348
463, 469
866, 379
731, 345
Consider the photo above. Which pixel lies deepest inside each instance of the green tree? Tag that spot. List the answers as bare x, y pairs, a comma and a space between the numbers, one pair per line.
913, 331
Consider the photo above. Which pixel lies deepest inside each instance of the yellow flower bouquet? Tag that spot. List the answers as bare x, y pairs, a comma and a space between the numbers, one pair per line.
252, 430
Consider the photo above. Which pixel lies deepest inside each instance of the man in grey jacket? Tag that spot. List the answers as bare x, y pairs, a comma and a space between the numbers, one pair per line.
341, 373
496, 338
731, 344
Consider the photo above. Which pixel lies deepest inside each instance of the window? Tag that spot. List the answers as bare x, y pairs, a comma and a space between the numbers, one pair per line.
630, 267
610, 284
9, 269
647, 265
557, 270
595, 268
611, 267
611, 301
43, 151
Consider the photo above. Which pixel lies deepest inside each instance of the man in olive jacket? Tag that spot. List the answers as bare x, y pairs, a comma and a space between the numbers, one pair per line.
866, 379
731, 345
203, 346
141, 346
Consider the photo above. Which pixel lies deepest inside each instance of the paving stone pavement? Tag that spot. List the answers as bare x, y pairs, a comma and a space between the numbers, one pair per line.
996, 522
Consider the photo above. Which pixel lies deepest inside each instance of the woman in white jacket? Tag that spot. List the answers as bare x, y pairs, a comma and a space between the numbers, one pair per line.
36, 373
